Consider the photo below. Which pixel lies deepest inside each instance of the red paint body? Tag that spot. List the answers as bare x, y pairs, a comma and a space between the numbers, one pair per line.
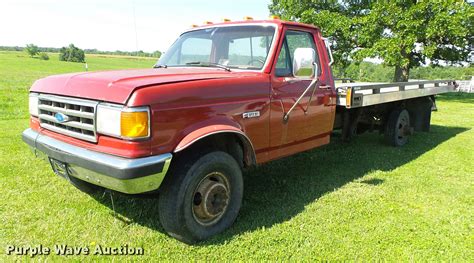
188, 103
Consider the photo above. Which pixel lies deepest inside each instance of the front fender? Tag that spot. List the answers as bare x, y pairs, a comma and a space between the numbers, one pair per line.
203, 132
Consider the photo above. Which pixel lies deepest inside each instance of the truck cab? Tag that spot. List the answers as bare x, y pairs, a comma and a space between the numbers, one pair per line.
266, 49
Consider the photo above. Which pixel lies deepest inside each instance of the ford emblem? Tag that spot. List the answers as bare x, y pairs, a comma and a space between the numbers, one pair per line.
61, 117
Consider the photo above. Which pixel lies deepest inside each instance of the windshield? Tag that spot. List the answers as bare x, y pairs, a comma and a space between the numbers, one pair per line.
242, 47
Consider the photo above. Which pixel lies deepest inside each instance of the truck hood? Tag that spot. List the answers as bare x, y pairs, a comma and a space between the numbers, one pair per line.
117, 86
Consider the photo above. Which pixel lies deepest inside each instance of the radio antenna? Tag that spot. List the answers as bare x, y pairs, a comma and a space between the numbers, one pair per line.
135, 27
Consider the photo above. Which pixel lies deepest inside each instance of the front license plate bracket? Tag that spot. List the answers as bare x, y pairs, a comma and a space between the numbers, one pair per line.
59, 168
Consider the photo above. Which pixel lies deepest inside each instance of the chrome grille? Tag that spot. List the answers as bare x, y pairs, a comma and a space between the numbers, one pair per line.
80, 116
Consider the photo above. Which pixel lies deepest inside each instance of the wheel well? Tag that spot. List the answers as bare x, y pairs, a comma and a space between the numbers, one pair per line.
237, 145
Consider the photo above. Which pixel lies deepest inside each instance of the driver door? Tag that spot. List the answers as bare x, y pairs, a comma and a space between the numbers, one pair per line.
310, 123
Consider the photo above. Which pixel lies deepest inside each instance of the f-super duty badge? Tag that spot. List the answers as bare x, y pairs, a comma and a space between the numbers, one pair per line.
251, 114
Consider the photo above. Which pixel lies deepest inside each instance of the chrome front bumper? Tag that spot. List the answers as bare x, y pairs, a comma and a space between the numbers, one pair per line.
131, 176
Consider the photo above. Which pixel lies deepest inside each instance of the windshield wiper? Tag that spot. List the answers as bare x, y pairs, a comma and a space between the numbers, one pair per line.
208, 64
160, 66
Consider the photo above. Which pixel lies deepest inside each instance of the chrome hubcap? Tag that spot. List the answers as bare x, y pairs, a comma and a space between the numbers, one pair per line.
403, 127
211, 198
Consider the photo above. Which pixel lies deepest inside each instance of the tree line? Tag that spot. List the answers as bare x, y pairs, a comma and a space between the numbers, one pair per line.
140, 53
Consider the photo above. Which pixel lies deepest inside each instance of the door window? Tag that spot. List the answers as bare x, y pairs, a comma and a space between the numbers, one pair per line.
293, 40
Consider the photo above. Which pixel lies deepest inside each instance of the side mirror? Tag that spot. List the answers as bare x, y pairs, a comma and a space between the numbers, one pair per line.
304, 63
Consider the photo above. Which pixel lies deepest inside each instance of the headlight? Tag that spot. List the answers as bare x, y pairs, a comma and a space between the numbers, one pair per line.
123, 122
33, 104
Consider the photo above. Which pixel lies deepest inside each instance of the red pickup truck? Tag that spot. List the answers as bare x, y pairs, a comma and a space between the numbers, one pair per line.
224, 97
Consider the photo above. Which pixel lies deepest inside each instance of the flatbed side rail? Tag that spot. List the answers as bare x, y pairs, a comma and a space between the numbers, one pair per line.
355, 95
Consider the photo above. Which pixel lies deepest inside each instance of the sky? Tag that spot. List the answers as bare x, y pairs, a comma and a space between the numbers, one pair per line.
110, 25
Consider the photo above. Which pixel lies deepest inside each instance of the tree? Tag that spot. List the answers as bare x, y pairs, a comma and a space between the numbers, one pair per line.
157, 54
405, 34
32, 50
71, 54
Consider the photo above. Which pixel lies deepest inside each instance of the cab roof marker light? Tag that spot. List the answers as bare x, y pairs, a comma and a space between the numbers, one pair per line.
194, 25
274, 17
208, 22
226, 20
247, 18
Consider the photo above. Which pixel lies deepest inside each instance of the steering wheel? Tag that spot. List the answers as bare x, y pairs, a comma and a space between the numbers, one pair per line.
256, 60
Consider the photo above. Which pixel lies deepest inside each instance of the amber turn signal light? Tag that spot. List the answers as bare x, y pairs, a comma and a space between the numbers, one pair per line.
134, 124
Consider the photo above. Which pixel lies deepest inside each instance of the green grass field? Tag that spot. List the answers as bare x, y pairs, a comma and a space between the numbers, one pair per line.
358, 201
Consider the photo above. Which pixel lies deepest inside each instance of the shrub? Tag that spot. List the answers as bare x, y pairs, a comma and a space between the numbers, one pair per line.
71, 54
32, 50
43, 56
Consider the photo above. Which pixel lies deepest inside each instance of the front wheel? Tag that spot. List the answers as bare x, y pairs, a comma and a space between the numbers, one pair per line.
201, 196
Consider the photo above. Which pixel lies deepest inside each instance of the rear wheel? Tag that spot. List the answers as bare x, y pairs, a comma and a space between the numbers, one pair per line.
201, 196
398, 128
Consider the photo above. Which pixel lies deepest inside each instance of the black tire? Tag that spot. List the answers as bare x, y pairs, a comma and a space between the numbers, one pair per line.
426, 113
201, 196
397, 128
84, 186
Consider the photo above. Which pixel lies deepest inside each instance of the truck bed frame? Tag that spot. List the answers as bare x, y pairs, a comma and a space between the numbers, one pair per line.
366, 106
354, 95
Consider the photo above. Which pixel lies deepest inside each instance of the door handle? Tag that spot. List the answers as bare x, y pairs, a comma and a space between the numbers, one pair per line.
325, 87
291, 80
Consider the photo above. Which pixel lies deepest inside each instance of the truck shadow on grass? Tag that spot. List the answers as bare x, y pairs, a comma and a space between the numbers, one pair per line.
280, 190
